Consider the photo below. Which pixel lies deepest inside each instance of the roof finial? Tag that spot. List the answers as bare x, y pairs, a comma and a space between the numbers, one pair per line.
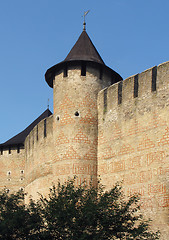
48, 104
84, 23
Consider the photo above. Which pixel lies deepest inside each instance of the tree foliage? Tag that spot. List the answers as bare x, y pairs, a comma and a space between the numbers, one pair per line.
74, 213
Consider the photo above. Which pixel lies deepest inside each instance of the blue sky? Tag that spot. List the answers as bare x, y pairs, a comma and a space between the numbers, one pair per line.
130, 35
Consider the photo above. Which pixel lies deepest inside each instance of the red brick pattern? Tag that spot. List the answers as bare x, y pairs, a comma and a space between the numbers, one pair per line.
117, 133
117, 166
103, 168
56, 158
91, 154
155, 157
163, 201
87, 102
136, 190
62, 139
71, 154
165, 139
84, 169
101, 139
81, 138
144, 176
156, 188
138, 177
126, 149
89, 119
107, 153
134, 163
147, 202
66, 119
135, 128
146, 143
63, 169
156, 121
95, 142
66, 103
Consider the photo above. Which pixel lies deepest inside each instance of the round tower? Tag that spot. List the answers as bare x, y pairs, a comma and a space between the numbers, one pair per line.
76, 82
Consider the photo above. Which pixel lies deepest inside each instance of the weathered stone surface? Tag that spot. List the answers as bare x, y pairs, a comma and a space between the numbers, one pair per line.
94, 133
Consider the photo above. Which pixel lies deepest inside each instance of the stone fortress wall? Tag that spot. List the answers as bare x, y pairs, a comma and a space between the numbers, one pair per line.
133, 140
12, 169
120, 133
38, 158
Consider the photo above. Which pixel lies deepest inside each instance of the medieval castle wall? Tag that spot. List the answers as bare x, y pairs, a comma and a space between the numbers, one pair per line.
38, 158
120, 133
12, 169
133, 140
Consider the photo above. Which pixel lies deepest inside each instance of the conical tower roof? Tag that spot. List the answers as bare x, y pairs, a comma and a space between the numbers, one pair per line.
83, 51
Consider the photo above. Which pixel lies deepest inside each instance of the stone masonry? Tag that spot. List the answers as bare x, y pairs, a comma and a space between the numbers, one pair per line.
100, 126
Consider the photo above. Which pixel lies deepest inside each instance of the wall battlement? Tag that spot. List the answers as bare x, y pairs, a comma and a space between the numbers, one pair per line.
38, 135
133, 140
146, 85
38, 153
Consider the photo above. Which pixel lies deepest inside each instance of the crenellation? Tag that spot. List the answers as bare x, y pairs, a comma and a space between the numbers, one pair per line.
145, 84
163, 76
133, 144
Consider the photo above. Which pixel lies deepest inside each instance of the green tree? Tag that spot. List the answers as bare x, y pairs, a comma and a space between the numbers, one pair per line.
70, 212
18, 221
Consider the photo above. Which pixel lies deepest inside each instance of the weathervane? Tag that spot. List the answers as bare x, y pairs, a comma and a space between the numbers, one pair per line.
84, 23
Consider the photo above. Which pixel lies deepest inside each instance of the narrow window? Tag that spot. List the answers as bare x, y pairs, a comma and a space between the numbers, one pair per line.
83, 69
18, 149
37, 133
101, 73
29, 143
136, 86
1, 151
120, 85
9, 150
105, 100
45, 128
154, 79
65, 71
33, 136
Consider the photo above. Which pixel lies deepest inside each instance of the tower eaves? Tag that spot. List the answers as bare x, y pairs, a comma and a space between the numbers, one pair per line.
83, 51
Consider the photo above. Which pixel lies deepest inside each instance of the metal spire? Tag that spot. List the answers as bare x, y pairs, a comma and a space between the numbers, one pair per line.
48, 104
84, 22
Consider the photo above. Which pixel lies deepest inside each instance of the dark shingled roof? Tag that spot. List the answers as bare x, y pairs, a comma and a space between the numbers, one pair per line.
20, 138
82, 51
